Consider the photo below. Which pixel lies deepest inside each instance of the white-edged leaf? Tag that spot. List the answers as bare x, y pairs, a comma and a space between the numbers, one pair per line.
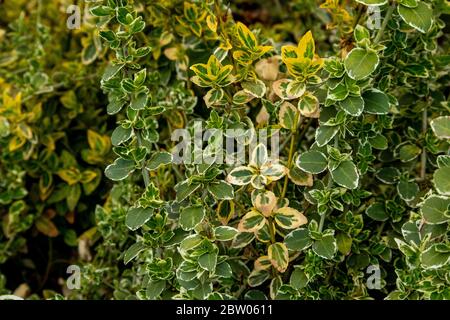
312, 161
346, 175
360, 63
192, 216
137, 217
441, 127
420, 17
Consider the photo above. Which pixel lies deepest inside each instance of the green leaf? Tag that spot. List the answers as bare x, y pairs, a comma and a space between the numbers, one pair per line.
435, 209
288, 116
361, 34
298, 279
137, 217
4, 127
377, 211
259, 156
240, 176
89, 54
441, 180
346, 175
434, 258
225, 233
441, 127
324, 134
409, 3
298, 240
208, 261
133, 251
101, 11
308, 105
354, 106
139, 102
360, 63
184, 189
378, 142
254, 295
443, 161
120, 169
295, 89
191, 242
312, 162
224, 270
388, 175
190, 217
407, 190
372, 2
221, 190
159, 159
411, 232
420, 17
242, 97
375, 102
155, 288
256, 87
213, 96
121, 135
409, 152
289, 218
73, 196
257, 277
251, 222
114, 106
278, 255
111, 71
242, 239
344, 243
326, 247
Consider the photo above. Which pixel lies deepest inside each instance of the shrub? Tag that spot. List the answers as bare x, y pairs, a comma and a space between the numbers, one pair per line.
353, 96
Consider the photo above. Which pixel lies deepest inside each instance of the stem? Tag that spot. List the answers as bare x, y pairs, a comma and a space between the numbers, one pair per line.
143, 169
358, 16
271, 229
39, 12
291, 153
380, 229
385, 22
329, 185
423, 159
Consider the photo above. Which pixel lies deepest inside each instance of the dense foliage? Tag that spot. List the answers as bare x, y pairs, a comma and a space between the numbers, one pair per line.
355, 206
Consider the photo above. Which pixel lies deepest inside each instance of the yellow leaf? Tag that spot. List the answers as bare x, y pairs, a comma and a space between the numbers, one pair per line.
211, 21
98, 142
289, 218
279, 256
165, 38
302, 61
289, 52
214, 66
251, 222
177, 119
16, 143
46, 226
87, 176
171, 53
71, 175
24, 131
262, 50
265, 202
306, 47
88, 234
245, 36
262, 263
